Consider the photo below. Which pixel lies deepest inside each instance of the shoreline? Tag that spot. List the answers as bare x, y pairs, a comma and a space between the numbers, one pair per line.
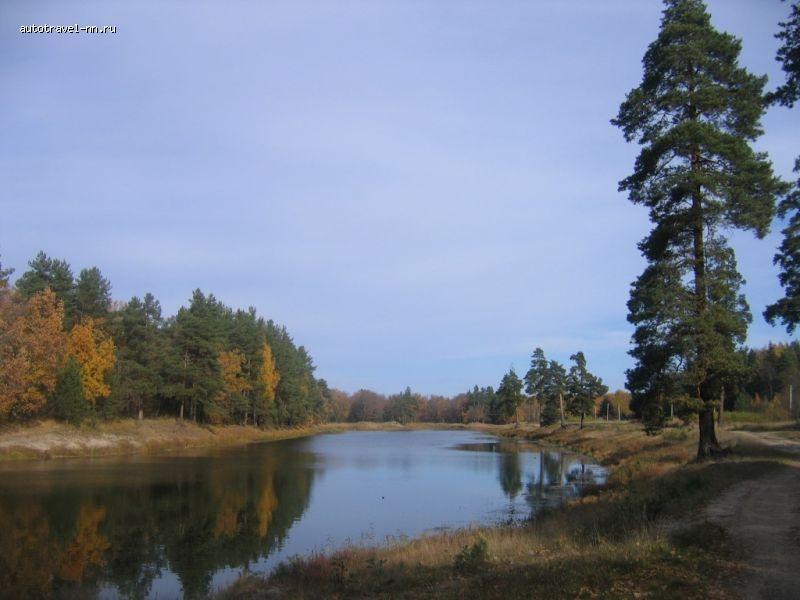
47, 440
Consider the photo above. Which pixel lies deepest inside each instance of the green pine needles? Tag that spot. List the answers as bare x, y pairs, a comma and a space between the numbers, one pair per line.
787, 309
695, 115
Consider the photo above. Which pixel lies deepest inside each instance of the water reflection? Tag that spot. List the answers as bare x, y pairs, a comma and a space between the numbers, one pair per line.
560, 476
88, 532
184, 524
551, 477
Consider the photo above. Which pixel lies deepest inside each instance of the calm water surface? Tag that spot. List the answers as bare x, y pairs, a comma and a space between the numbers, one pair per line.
184, 525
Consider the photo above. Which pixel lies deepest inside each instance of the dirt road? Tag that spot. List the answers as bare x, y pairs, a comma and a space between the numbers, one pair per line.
763, 518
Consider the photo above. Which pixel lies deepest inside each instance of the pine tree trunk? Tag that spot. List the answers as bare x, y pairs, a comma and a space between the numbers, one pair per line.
181, 410
708, 446
721, 414
561, 407
581, 421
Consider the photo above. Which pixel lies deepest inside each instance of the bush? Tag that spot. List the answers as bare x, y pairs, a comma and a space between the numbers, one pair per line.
472, 557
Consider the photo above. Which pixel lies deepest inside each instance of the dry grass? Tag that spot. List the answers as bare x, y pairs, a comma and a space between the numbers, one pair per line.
49, 439
621, 541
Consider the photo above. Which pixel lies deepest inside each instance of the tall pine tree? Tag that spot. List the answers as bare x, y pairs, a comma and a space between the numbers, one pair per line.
583, 387
787, 309
92, 294
46, 272
509, 394
535, 379
695, 114
554, 388
68, 401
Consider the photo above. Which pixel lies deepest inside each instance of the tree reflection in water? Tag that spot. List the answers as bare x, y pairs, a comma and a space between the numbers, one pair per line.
80, 538
553, 477
166, 526
559, 477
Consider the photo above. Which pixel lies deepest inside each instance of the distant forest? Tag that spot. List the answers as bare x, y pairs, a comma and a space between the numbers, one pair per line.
69, 352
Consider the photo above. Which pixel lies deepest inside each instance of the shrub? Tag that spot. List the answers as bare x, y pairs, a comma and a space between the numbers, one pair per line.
472, 557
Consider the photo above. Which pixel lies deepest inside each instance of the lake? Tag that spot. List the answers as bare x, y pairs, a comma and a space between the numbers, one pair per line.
185, 524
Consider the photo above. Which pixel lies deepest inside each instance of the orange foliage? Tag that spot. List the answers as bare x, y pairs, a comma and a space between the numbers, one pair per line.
87, 547
234, 383
32, 343
94, 351
233, 502
267, 503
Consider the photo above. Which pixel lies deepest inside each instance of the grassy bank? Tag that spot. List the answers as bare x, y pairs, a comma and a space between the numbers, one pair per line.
637, 537
49, 439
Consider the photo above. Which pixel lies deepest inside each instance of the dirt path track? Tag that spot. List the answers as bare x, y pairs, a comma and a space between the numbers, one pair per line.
763, 518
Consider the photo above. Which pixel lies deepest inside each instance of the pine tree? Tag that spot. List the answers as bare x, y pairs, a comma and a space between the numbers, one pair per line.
248, 335
555, 386
695, 113
535, 378
509, 394
583, 387
198, 335
92, 294
789, 57
787, 309
46, 272
140, 375
68, 402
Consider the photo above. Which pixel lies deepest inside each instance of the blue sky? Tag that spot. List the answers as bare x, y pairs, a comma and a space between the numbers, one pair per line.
422, 192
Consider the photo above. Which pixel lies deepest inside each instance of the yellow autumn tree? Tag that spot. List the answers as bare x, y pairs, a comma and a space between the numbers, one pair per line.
234, 384
270, 377
94, 351
32, 344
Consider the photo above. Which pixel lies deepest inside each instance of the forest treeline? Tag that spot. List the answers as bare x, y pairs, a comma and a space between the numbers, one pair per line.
67, 351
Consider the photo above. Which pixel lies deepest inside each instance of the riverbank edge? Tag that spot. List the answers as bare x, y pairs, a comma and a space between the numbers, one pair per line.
47, 440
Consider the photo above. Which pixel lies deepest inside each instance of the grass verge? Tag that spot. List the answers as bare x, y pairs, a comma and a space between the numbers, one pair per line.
50, 439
